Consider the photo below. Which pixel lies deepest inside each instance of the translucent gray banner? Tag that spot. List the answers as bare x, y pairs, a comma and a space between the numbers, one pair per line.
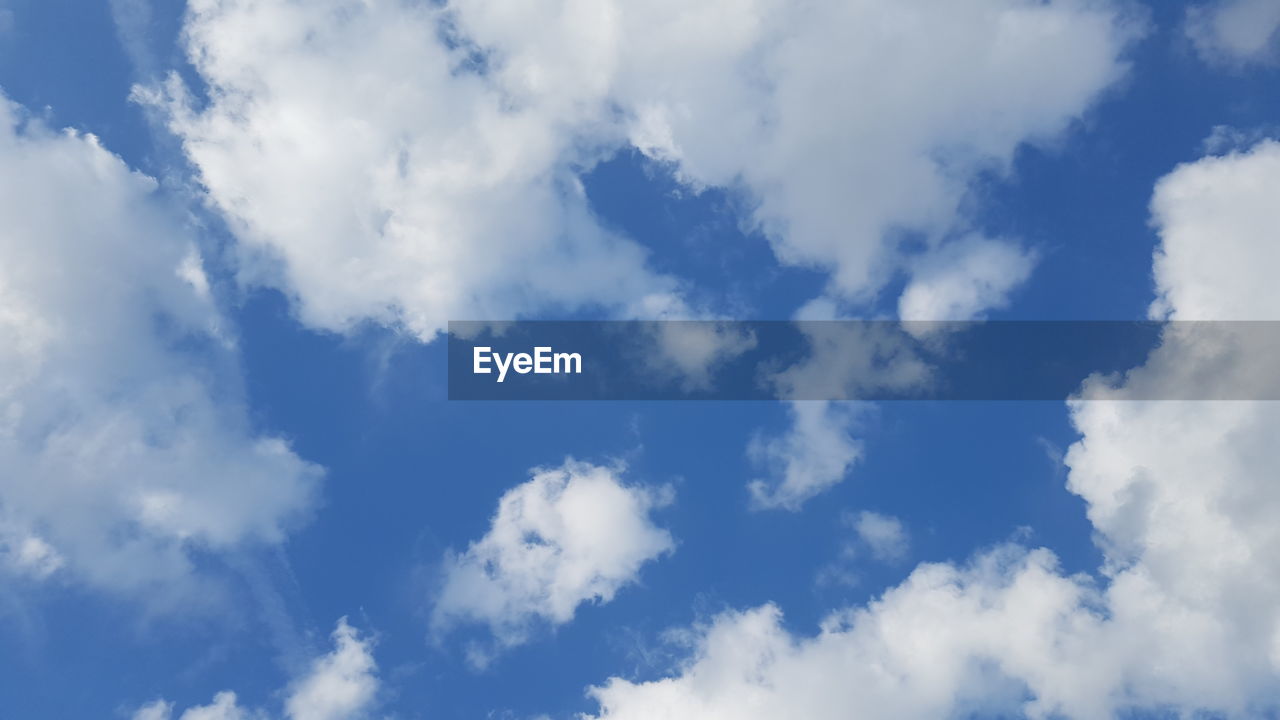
863, 360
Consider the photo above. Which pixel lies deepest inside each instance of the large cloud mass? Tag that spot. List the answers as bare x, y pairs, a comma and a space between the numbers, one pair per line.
413, 163
124, 445
1183, 498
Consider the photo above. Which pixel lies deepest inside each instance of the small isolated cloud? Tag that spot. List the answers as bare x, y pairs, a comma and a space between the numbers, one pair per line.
1235, 32
934, 647
340, 685
815, 453
570, 535
963, 279
883, 535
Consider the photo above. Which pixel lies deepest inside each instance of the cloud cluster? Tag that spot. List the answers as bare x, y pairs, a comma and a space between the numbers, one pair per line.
410, 163
125, 447
340, 685
570, 535
1182, 496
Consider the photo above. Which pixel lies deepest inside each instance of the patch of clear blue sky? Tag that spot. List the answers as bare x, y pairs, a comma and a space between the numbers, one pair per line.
411, 474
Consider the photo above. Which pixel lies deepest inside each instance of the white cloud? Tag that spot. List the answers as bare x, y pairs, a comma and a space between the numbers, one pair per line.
815, 453
1217, 219
155, 710
570, 535
347, 140
1182, 496
410, 163
341, 685
1182, 492
125, 444
963, 279
225, 706
884, 535
850, 121
932, 647
1235, 31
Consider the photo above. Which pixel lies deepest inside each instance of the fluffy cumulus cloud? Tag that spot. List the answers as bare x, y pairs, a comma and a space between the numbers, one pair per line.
1235, 31
1180, 491
572, 534
927, 649
376, 169
1183, 614
340, 685
125, 448
411, 162
1217, 217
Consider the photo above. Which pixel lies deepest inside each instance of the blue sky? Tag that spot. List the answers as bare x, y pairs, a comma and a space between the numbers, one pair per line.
342, 197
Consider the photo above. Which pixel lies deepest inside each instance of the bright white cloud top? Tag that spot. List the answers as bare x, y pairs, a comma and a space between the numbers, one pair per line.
387, 153
124, 443
570, 535
1217, 224
1183, 497
340, 685
351, 142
